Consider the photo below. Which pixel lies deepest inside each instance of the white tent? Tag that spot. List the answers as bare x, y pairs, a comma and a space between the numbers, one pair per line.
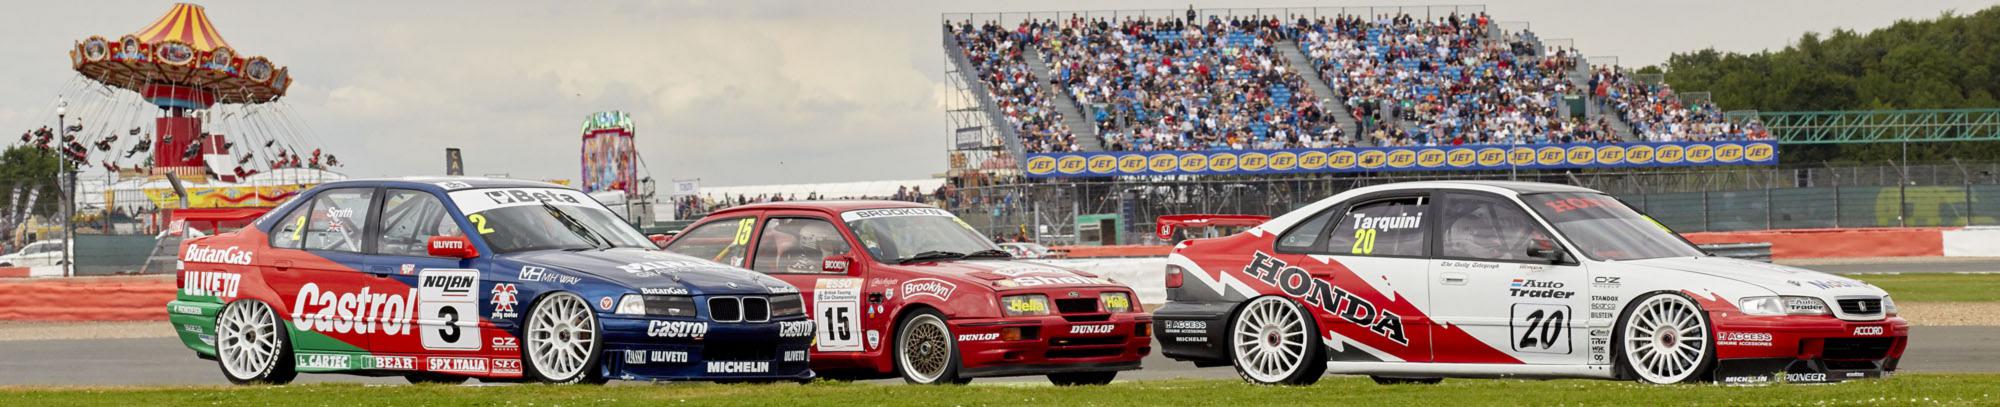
830, 190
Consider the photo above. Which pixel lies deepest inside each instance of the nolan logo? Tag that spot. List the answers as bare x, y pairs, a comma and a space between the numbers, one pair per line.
932, 287
456, 285
231, 255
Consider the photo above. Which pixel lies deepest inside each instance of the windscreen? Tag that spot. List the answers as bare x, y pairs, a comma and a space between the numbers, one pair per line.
1604, 228
523, 219
891, 235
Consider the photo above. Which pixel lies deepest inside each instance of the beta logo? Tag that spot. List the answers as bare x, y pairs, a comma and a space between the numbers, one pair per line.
676, 329
232, 255
1530, 288
1090, 329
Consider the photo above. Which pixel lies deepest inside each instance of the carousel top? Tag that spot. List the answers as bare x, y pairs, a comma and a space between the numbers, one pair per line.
180, 52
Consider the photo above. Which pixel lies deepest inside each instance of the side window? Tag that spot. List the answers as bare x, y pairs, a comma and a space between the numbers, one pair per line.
722, 241
338, 219
1303, 236
1382, 227
409, 219
291, 229
1488, 228
797, 245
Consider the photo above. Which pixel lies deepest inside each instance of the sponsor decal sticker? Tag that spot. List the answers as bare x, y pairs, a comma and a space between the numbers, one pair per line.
664, 291
851, 216
365, 312
931, 287
1531, 288
184, 309
874, 339
676, 329
795, 356
1867, 330
408, 268
1037, 281
1172, 326
322, 361
449, 305
1540, 328
1761, 339
506, 366
506, 343
1605, 282
395, 362
1297, 283
232, 255
1090, 329
782, 289
504, 300
836, 306
978, 337
455, 365
739, 367
532, 274
210, 283
604, 303
795, 329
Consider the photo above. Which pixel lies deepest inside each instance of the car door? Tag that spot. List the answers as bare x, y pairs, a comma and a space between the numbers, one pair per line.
1508, 300
314, 264
796, 247
445, 321
1374, 253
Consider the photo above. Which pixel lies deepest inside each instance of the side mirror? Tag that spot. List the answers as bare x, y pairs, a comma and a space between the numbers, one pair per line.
1547, 250
838, 263
457, 247
660, 240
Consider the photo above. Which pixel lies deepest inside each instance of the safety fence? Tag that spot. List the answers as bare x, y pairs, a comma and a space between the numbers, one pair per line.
1113, 211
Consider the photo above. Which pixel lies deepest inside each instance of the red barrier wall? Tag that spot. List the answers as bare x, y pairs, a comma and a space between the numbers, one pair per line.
13, 272
86, 299
1079, 252
1834, 243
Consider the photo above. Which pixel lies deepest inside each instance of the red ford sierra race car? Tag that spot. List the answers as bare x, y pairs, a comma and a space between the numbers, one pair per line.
897, 288
1414, 282
441, 279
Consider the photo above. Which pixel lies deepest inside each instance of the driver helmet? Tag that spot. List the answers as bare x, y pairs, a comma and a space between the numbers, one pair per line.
817, 236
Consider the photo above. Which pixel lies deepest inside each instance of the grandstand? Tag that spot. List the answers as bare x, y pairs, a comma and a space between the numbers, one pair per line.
1301, 78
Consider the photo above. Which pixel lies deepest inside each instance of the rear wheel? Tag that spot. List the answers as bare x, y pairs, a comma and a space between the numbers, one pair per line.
1664, 339
925, 350
1272, 342
562, 341
252, 346
1083, 378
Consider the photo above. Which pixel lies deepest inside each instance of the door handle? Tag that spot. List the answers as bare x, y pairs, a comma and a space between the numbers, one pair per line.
282, 264
1452, 278
380, 271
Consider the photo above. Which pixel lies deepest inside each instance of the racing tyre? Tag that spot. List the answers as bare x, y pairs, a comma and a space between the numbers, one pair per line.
1390, 381
252, 346
1664, 338
563, 341
926, 353
434, 378
1083, 378
1271, 342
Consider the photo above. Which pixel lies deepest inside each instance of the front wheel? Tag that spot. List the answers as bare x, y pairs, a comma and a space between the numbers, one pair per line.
1272, 342
1664, 338
562, 341
1083, 378
252, 346
926, 353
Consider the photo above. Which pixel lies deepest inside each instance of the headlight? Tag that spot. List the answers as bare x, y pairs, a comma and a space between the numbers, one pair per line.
1025, 305
1115, 302
787, 305
1783, 305
656, 305
1888, 306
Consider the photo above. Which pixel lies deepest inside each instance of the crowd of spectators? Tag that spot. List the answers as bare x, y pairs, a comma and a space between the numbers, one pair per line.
1656, 113
997, 54
1222, 83
1185, 84
696, 206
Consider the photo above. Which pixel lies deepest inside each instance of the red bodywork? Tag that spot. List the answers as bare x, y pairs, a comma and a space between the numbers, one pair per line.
1165, 225
968, 293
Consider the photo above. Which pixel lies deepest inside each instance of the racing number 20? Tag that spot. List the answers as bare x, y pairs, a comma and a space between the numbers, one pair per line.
1364, 241
1539, 328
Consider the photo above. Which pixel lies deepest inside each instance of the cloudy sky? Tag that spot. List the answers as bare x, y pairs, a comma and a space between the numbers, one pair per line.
732, 92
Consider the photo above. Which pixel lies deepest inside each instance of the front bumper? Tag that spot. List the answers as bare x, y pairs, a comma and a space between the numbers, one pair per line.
1052, 344
667, 350
1806, 349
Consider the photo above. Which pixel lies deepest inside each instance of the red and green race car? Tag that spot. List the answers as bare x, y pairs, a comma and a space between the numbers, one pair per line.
897, 288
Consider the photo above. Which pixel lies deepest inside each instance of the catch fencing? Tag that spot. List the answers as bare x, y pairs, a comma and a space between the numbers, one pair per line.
1122, 211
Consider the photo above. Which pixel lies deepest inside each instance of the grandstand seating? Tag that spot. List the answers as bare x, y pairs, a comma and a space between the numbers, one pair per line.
1219, 83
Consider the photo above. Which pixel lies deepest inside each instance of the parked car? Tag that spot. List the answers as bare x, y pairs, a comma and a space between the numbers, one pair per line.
441, 279
897, 288
1414, 282
37, 254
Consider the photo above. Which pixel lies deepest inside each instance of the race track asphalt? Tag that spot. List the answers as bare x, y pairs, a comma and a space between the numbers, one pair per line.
163, 361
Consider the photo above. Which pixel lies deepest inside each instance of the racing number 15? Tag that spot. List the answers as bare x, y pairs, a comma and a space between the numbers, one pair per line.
839, 330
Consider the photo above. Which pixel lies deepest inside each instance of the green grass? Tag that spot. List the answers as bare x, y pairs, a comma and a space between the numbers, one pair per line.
1954, 389
1929, 287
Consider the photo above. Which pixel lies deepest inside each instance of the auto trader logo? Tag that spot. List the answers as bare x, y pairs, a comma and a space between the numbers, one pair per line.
1530, 288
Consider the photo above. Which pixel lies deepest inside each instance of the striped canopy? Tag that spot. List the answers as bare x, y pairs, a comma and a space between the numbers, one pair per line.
186, 23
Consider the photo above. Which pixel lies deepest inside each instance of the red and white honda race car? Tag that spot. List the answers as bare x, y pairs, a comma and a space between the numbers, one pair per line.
897, 288
1414, 282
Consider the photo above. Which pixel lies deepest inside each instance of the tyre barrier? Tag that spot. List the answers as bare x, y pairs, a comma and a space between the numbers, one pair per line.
86, 298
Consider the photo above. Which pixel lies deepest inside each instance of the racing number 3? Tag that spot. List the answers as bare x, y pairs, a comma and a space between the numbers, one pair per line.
449, 332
